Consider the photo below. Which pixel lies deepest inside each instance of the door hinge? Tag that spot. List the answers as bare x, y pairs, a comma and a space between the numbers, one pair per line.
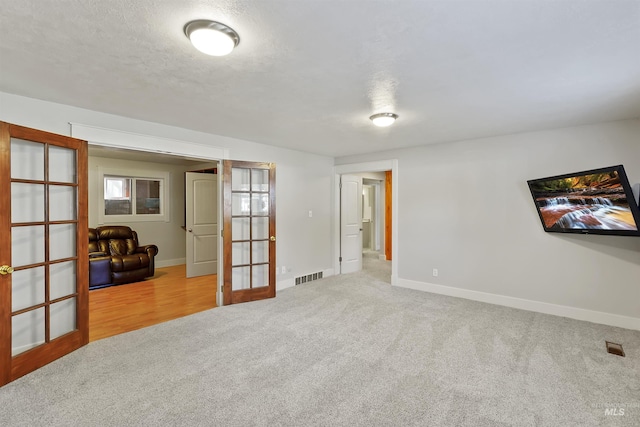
222, 232
340, 259
221, 288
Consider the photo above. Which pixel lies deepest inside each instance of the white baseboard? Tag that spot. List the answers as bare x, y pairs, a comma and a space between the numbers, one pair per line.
328, 273
382, 257
170, 262
284, 284
524, 304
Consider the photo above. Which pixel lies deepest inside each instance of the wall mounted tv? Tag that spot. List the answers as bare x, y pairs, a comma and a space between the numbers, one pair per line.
598, 201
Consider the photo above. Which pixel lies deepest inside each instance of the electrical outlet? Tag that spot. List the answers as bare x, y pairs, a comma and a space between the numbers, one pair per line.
310, 214
284, 270
435, 272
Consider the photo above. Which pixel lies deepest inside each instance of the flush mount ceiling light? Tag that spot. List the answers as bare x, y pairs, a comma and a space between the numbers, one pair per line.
383, 119
210, 37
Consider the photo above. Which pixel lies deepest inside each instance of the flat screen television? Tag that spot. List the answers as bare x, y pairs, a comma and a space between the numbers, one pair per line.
598, 201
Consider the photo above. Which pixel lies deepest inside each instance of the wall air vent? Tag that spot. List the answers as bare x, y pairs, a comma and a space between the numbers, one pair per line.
309, 278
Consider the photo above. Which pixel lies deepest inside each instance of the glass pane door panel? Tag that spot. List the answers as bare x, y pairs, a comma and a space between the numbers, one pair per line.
260, 275
240, 204
27, 160
259, 204
259, 180
260, 227
240, 179
27, 331
260, 252
62, 241
62, 203
27, 245
63, 318
27, 288
27, 202
62, 279
240, 229
62, 164
241, 278
240, 253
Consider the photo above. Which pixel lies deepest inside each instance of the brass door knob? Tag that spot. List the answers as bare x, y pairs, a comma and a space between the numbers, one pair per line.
272, 238
5, 269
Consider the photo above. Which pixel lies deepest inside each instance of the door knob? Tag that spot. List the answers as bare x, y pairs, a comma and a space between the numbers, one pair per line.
272, 238
5, 269
190, 230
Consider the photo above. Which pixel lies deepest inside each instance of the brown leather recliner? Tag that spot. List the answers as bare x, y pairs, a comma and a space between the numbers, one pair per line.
128, 261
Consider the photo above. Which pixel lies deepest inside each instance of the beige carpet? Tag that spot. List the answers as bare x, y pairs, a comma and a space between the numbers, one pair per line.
342, 351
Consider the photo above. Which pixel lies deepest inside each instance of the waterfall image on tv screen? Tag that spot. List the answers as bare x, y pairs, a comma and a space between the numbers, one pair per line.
598, 201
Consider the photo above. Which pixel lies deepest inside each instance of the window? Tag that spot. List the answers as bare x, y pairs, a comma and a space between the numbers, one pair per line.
133, 198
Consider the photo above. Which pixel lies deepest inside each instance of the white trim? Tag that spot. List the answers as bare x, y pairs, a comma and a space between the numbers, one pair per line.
152, 144
524, 304
328, 273
170, 262
378, 166
284, 284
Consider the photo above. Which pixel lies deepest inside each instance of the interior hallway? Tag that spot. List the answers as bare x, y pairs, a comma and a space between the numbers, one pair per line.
374, 266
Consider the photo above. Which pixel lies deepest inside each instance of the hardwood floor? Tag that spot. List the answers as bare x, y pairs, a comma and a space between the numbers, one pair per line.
168, 295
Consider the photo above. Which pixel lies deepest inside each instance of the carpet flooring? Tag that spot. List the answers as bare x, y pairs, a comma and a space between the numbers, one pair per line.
346, 350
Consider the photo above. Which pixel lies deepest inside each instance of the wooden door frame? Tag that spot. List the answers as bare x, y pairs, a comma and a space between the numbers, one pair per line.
353, 168
230, 296
12, 368
388, 214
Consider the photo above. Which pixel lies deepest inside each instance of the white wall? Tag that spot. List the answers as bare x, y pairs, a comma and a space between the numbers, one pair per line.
303, 181
465, 209
168, 236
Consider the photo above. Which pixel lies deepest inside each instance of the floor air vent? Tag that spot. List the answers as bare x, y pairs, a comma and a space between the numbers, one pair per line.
308, 278
614, 348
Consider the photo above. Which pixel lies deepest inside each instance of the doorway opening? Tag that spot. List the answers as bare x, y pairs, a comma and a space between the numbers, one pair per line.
365, 229
187, 269
376, 260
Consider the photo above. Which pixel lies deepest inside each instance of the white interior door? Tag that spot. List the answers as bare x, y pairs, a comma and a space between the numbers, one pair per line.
350, 223
202, 223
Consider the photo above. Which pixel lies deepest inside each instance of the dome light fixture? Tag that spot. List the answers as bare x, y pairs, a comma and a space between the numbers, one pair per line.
383, 119
211, 37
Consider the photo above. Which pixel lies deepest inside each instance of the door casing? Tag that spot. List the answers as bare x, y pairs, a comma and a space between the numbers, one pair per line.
377, 166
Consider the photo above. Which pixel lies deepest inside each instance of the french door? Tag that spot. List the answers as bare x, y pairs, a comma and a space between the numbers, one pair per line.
249, 231
43, 250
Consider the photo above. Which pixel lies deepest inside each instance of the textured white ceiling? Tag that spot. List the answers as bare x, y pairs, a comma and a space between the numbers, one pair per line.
308, 73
